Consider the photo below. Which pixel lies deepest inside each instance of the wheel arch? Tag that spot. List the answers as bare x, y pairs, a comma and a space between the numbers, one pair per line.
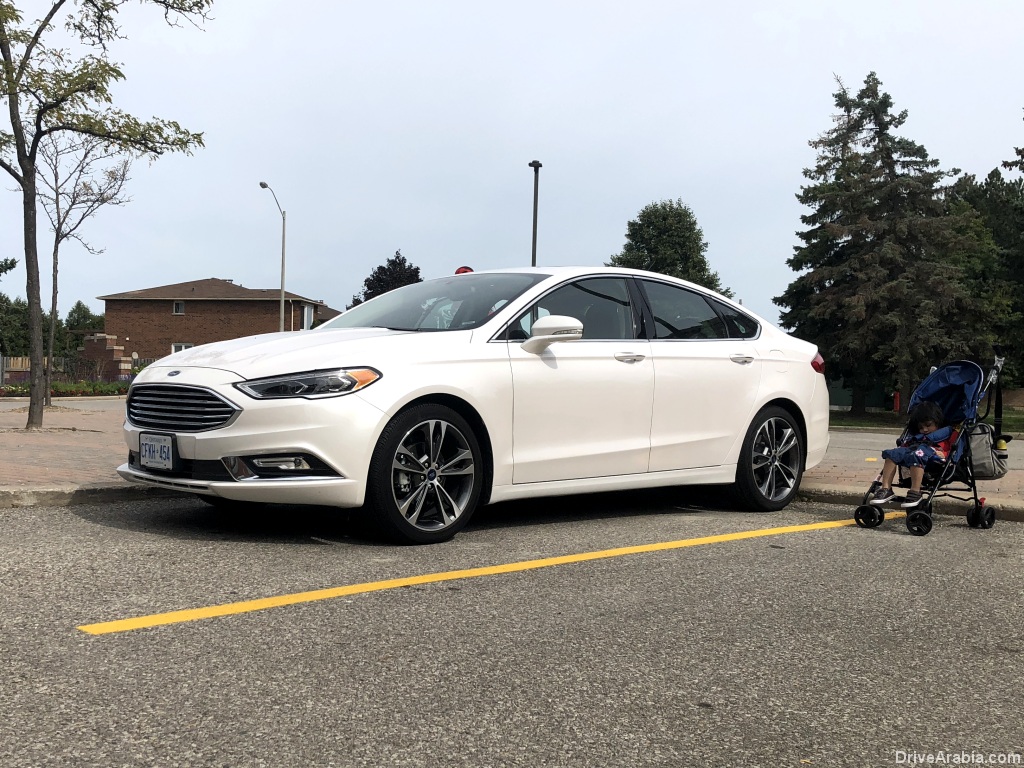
793, 410
471, 415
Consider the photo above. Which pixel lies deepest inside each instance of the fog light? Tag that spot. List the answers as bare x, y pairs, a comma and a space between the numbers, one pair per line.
282, 462
238, 468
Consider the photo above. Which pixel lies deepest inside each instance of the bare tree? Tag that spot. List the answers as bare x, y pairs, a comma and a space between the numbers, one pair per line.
78, 174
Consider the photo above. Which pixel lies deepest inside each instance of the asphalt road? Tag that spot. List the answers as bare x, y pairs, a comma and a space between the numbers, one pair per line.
827, 645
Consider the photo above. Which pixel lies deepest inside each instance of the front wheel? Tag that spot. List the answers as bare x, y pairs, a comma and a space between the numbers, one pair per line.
426, 475
771, 461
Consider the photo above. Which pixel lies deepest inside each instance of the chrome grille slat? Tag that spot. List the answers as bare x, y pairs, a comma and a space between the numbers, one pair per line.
178, 408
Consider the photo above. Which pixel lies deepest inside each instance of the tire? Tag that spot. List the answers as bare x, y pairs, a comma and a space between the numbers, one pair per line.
426, 476
771, 461
919, 523
868, 516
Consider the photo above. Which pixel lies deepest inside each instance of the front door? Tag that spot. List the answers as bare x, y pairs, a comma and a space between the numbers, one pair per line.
582, 408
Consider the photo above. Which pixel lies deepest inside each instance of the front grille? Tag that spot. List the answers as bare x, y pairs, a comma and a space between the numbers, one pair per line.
178, 408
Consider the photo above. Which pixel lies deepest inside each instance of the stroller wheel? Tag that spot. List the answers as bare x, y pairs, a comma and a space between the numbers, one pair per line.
981, 516
868, 516
919, 523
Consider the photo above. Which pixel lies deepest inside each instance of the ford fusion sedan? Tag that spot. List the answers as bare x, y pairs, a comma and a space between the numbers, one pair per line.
426, 402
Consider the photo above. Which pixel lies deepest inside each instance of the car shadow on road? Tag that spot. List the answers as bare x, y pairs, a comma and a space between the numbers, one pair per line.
596, 506
192, 519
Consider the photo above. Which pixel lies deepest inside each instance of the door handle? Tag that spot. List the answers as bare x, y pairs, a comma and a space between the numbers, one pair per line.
628, 357
742, 359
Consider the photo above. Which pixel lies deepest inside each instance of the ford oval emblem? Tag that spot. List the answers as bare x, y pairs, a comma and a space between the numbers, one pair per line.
174, 373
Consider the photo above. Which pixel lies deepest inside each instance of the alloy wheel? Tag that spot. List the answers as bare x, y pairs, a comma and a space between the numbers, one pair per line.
432, 475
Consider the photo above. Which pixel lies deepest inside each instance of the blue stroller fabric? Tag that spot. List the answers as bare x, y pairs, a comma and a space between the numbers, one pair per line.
957, 388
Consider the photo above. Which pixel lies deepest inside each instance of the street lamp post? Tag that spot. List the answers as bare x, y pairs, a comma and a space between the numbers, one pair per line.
536, 184
284, 221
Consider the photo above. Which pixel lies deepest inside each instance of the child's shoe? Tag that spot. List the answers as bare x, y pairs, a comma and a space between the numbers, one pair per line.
913, 499
883, 496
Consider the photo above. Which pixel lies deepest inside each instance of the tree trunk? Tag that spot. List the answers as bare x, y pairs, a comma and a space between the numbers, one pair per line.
858, 403
53, 327
35, 308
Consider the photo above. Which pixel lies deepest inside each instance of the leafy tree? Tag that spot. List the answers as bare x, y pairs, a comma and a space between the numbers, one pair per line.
13, 326
81, 319
6, 265
79, 175
665, 238
394, 273
886, 266
50, 90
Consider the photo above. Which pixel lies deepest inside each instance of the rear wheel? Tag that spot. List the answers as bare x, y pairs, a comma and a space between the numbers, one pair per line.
771, 461
425, 475
981, 516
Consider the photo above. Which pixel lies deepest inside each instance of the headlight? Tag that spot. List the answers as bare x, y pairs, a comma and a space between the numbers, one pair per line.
311, 384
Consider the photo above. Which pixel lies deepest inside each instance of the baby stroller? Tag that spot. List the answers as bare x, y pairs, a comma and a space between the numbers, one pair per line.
957, 388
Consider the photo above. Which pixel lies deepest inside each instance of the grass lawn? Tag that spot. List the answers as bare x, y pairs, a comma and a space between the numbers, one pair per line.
1013, 420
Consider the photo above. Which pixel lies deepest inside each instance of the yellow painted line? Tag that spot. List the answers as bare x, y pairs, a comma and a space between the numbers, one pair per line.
247, 606
873, 458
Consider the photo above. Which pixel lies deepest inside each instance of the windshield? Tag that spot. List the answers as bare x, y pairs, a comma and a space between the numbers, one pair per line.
456, 303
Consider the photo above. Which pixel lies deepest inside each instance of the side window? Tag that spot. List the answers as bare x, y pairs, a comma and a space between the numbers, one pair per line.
682, 314
739, 325
178, 308
179, 346
600, 303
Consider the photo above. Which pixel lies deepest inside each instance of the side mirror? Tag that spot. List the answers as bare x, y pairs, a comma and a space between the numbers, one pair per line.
547, 330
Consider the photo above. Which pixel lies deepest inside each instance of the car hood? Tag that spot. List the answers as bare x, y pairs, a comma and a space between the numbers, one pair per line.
276, 353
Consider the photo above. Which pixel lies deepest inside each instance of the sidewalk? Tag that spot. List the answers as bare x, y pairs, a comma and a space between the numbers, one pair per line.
73, 460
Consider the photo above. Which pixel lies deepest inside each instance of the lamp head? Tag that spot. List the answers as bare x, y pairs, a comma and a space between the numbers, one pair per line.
264, 185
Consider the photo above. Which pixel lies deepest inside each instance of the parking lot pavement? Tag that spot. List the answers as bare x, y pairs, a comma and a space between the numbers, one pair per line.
74, 458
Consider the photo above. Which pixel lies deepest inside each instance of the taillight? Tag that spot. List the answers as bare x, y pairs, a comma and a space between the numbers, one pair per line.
818, 363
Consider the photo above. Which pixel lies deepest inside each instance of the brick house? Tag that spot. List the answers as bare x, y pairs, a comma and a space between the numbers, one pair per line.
153, 322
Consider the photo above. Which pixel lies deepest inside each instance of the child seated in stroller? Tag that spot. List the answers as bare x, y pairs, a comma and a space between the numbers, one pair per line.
925, 439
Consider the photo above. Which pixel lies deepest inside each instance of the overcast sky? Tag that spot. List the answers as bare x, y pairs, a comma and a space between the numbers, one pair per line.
393, 125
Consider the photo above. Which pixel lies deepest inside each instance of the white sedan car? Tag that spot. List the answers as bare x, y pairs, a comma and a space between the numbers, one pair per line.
428, 401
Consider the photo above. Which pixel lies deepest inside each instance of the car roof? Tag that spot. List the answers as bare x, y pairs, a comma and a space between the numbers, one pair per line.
565, 272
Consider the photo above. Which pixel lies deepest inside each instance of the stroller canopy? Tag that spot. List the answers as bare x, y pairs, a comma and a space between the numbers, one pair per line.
957, 388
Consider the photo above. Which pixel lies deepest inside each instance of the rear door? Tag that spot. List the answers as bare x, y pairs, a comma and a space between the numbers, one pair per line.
707, 374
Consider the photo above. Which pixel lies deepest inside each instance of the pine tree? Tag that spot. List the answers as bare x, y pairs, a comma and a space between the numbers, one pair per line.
665, 238
882, 289
999, 203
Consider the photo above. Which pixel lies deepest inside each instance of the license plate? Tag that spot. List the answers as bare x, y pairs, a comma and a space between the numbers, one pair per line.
156, 451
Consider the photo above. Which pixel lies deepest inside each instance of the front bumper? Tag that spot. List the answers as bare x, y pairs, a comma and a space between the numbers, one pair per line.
337, 436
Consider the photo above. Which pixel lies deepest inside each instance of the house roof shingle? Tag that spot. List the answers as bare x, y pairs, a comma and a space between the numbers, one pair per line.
212, 288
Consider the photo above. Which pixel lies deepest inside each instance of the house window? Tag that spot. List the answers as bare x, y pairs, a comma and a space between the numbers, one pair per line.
179, 308
180, 345
307, 316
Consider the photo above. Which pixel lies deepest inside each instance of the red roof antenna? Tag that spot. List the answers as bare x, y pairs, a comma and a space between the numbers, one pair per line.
463, 270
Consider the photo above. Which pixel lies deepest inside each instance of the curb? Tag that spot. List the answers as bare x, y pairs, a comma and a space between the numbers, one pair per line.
1010, 510
74, 495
